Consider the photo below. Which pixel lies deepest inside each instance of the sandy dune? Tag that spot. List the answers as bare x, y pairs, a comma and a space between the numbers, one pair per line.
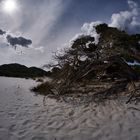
24, 117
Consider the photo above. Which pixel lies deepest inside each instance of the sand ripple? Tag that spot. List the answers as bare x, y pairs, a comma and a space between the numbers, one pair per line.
23, 116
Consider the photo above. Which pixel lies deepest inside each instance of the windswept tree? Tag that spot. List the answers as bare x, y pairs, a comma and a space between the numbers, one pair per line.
105, 61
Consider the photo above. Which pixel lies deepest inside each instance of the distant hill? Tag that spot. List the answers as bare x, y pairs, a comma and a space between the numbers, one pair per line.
17, 70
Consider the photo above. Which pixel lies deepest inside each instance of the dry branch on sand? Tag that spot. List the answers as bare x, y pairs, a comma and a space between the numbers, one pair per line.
102, 81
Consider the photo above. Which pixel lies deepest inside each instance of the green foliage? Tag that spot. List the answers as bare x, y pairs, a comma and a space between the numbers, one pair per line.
129, 57
101, 28
137, 69
116, 42
82, 41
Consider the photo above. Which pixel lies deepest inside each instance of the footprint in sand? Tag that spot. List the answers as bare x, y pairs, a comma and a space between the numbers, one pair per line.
1, 127
26, 122
22, 132
12, 128
12, 114
39, 138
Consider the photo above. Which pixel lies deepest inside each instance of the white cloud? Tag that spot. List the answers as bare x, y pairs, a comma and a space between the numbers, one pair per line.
127, 20
34, 20
28, 56
40, 49
124, 20
88, 29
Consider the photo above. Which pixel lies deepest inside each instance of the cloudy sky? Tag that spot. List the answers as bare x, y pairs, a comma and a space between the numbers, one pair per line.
30, 30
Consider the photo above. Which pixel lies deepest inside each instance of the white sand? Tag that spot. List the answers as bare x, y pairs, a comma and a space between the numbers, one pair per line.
24, 117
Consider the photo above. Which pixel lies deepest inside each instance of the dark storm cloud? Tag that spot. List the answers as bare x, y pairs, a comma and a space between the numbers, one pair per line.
2, 32
18, 41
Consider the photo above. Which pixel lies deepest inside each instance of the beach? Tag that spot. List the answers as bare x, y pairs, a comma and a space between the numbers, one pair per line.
25, 116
